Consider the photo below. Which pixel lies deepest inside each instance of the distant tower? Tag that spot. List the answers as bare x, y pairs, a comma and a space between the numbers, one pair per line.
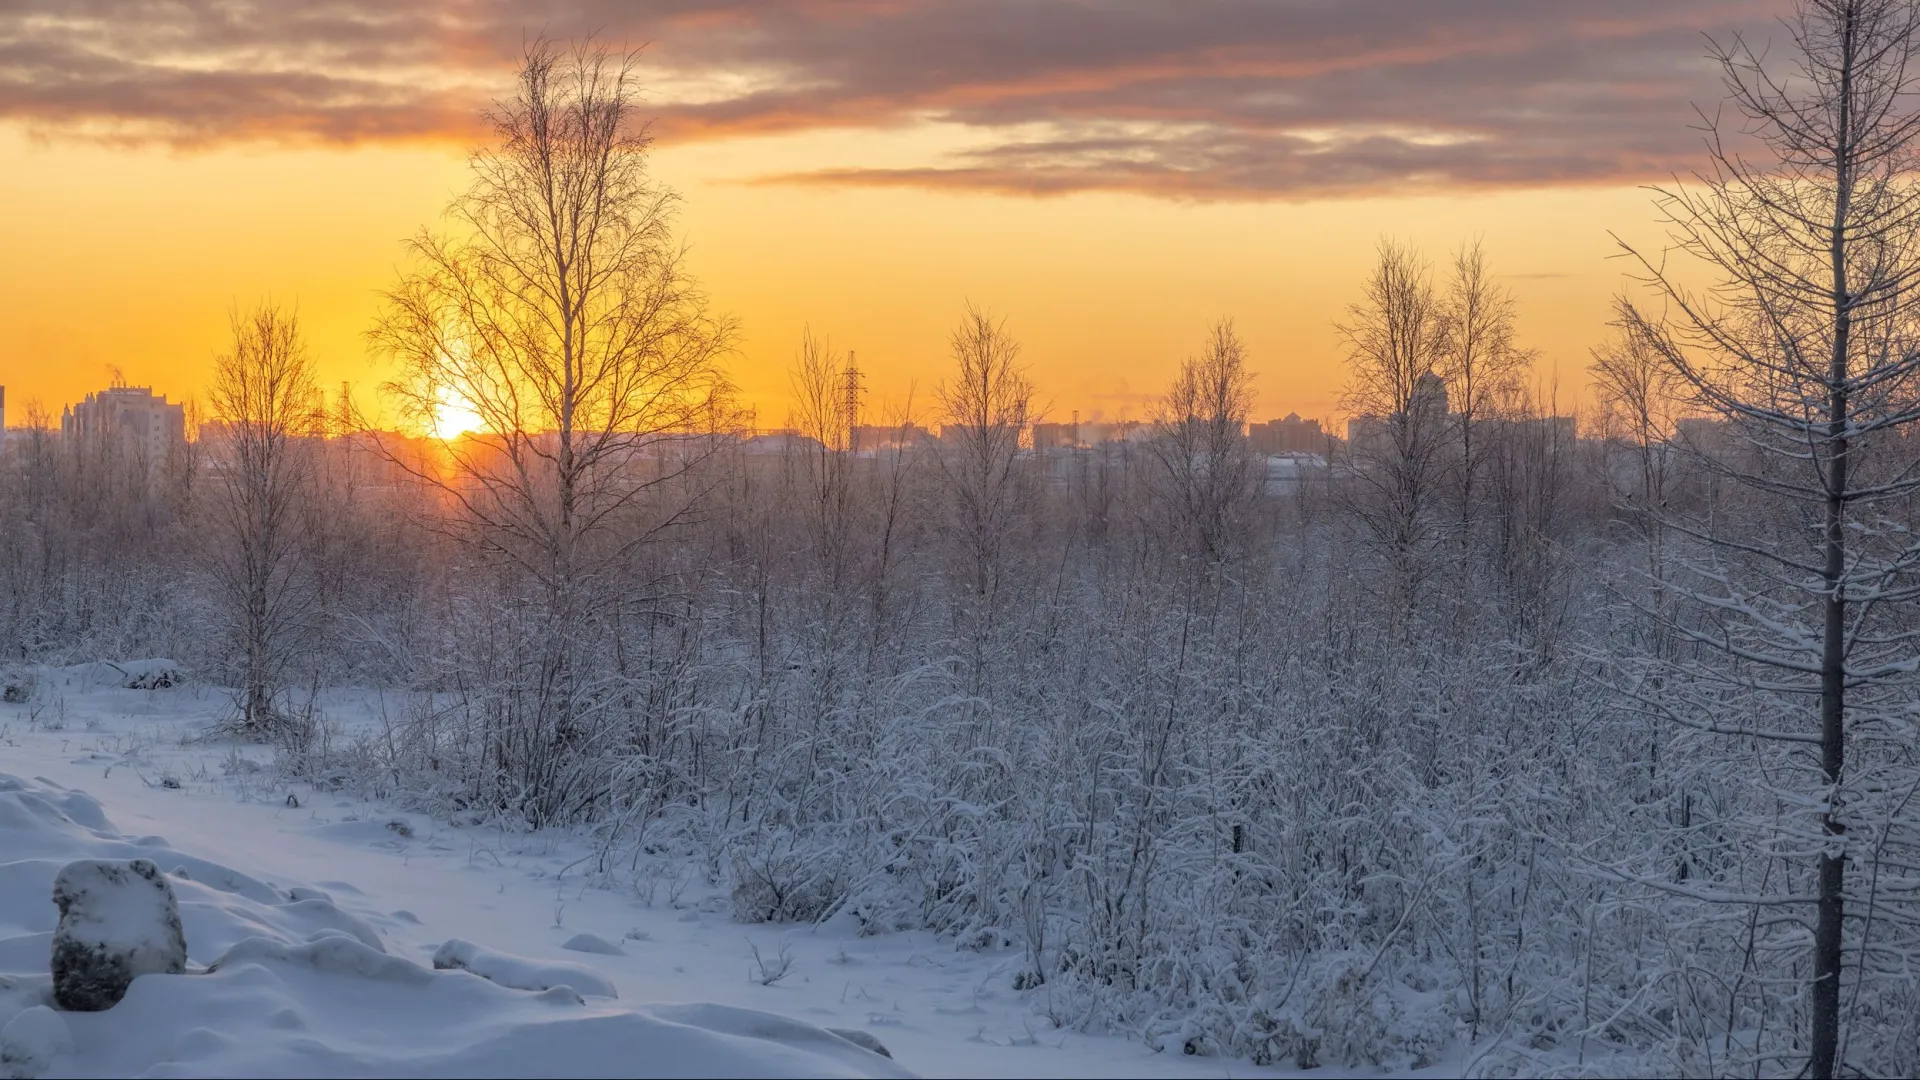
850, 402
1073, 437
1430, 393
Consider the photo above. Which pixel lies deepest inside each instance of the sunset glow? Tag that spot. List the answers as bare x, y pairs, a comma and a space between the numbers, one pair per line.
1061, 194
455, 415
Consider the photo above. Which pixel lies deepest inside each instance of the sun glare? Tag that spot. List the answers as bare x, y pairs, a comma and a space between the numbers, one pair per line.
454, 416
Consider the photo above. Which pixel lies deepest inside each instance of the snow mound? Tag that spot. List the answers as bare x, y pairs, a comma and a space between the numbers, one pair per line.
30, 1042
863, 1039
521, 973
296, 986
593, 943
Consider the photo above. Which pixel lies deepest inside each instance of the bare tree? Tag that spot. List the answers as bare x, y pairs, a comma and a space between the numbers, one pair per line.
1396, 338
1208, 472
263, 396
557, 310
1482, 365
1639, 400
986, 402
1637, 418
825, 414
986, 405
1806, 349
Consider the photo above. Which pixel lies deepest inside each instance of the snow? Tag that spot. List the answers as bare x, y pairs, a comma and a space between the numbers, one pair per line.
520, 972
315, 927
121, 905
31, 1041
592, 943
292, 984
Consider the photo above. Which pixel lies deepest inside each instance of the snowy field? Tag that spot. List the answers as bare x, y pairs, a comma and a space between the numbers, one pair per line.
326, 883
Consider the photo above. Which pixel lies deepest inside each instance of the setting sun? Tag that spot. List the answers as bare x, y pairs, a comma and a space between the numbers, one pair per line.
454, 415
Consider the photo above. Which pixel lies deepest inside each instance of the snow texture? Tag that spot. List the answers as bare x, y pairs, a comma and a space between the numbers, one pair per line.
862, 1039
593, 943
519, 972
30, 1042
293, 985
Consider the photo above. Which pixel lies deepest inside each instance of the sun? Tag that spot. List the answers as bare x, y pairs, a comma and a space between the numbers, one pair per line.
454, 416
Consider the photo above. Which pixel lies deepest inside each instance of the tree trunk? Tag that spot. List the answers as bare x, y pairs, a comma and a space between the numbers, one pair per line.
1830, 924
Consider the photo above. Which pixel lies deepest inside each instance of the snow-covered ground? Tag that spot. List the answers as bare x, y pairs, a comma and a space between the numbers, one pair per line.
247, 862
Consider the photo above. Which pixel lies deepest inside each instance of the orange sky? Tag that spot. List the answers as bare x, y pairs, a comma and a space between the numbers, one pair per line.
132, 258
866, 167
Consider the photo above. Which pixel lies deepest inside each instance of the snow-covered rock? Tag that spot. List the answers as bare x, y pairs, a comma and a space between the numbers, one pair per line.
118, 920
30, 1042
522, 973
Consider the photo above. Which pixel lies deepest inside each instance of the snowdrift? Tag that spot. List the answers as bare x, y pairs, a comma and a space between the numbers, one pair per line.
285, 982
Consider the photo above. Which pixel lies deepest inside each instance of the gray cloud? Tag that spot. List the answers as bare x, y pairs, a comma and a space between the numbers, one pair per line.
1189, 99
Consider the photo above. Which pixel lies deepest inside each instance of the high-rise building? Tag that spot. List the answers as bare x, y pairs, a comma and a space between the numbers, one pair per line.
1429, 401
149, 423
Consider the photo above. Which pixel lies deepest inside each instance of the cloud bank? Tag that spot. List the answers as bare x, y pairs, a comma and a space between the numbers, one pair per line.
1190, 99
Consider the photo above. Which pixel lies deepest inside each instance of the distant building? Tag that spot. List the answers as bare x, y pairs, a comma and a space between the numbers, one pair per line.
150, 424
1366, 430
1430, 398
1426, 417
1702, 432
780, 441
1053, 436
1291, 435
869, 437
1093, 434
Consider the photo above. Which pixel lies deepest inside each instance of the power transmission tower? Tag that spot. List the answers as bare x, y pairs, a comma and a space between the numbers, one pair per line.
850, 402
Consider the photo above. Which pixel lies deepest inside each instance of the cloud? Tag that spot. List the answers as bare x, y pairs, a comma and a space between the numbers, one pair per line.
1189, 100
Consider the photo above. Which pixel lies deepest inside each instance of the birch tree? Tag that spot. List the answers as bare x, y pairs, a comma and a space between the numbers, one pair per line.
1396, 337
557, 311
1480, 360
264, 398
986, 403
1207, 471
